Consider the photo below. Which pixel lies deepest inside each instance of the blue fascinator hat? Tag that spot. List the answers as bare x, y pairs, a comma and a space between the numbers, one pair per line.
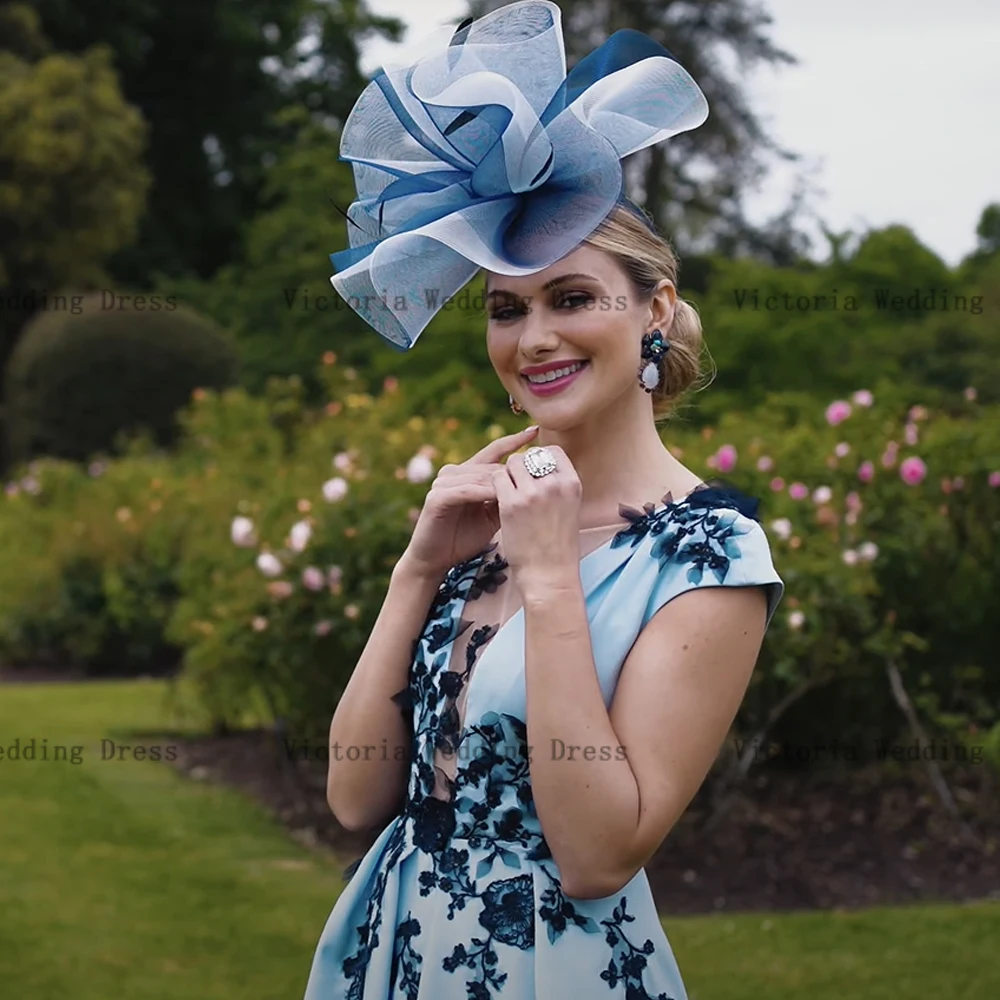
484, 153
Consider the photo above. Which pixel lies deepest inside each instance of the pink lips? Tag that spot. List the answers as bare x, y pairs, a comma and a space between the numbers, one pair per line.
556, 385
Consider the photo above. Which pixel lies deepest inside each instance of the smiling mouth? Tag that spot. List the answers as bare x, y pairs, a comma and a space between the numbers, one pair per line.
545, 378
555, 384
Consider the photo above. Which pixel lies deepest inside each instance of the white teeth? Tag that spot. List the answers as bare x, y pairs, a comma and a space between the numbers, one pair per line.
553, 375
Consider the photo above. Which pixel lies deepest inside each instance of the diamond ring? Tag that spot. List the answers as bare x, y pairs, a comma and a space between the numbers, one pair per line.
539, 462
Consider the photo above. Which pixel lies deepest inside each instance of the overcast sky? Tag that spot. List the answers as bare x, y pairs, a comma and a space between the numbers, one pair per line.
894, 106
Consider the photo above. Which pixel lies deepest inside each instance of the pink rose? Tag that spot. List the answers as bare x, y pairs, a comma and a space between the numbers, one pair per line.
866, 472
726, 458
994, 479
838, 411
777, 484
912, 470
863, 397
798, 491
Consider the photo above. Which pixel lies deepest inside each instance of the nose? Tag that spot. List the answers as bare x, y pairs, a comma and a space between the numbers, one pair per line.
538, 335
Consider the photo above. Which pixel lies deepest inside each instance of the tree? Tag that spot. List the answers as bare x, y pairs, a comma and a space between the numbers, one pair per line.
988, 229
210, 77
275, 297
72, 184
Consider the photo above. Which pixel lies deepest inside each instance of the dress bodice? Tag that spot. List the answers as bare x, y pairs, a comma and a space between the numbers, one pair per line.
467, 686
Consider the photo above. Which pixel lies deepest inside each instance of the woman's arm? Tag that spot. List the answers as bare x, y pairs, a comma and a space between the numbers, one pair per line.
607, 805
368, 726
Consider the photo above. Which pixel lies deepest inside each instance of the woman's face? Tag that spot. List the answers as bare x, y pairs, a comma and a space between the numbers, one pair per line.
580, 309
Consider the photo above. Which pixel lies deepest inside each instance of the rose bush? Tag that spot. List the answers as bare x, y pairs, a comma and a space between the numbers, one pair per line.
259, 552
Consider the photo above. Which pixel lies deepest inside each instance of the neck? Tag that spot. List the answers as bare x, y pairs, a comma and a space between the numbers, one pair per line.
619, 458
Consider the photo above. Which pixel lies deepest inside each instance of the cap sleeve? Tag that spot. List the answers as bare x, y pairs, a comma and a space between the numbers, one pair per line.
709, 546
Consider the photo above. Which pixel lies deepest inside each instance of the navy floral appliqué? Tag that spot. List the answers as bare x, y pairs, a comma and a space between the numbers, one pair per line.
700, 530
628, 962
476, 852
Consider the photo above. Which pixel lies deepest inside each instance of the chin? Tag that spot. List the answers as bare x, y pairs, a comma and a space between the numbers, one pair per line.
556, 419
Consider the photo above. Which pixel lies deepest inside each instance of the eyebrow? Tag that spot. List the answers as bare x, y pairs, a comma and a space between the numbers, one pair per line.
562, 279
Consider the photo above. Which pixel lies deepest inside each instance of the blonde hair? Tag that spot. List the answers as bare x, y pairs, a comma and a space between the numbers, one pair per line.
647, 259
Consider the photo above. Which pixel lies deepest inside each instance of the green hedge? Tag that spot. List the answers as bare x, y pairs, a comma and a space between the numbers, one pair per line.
79, 378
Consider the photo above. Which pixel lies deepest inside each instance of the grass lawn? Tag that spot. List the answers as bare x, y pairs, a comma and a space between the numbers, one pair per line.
119, 879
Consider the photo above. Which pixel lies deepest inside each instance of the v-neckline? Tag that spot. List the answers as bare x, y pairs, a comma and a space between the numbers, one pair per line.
647, 512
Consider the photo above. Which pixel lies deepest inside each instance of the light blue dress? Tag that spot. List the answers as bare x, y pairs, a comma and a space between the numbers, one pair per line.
460, 898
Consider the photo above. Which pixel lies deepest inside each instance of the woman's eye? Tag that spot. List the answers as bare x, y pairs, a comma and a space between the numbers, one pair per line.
574, 300
505, 313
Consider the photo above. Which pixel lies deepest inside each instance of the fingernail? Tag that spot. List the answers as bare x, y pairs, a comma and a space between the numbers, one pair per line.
533, 427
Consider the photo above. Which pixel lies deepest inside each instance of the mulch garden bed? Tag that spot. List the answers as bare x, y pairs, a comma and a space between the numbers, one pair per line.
789, 840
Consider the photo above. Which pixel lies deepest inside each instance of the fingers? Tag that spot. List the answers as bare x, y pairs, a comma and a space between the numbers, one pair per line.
496, 450
451, 493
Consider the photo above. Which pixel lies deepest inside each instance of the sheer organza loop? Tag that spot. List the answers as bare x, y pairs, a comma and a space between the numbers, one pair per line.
484, 153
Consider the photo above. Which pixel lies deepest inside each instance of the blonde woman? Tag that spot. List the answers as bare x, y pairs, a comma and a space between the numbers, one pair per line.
568, 636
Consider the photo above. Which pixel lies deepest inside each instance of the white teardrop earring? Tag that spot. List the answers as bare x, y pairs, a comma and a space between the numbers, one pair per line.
654, 348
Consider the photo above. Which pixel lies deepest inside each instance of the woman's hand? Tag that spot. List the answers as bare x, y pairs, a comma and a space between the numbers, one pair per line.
460, 515
540, 520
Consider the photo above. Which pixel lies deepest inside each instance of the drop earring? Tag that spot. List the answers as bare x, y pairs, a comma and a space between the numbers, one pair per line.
654, 349
515, 406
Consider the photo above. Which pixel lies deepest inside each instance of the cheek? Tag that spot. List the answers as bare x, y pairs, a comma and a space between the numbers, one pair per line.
592, 330
605, 333
500, 349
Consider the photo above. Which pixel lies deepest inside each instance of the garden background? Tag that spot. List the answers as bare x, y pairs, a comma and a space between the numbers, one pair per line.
211, 466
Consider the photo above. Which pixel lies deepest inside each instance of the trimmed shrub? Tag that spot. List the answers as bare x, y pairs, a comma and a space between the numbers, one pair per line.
79, 379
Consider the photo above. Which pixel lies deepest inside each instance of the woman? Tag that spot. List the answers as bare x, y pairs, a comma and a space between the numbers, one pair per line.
569, 635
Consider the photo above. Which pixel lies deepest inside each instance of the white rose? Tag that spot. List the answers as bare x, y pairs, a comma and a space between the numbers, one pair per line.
268, 564
242, 532
868, 550
782, 527
298, 537
419, 469
334, 489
